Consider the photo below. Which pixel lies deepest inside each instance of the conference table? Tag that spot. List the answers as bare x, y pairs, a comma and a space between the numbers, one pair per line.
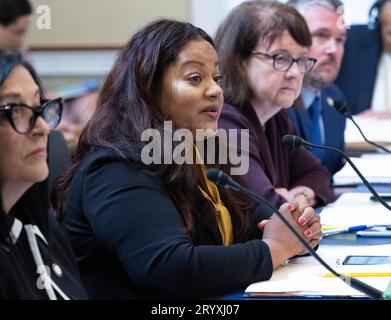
339, 240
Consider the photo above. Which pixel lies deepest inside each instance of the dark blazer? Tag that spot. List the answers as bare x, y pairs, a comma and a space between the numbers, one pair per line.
358, 72
272, 164
130, 240
334, 126
18, 271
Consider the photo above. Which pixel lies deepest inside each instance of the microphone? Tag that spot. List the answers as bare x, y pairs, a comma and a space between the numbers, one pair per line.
343, 109
222, 179
295, 141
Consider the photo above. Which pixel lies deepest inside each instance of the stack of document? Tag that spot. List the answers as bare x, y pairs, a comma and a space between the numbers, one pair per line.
376, 169
377, 130
304, 276
353, 209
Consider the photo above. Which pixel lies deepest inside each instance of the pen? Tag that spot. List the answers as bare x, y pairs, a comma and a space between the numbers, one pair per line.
374, 234
346, 229
360, 274
334, 227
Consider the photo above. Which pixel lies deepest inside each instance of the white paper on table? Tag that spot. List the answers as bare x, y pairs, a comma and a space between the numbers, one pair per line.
305, 276
374, 169
377, 130
353, 209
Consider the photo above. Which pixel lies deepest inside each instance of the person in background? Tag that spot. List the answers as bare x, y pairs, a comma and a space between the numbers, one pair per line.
36, 261
78, 111
162, 229
15, 18
314, 114
14, 23
365, 75
263, 48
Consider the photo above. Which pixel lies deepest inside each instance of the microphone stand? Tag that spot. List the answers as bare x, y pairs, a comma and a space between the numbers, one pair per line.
295, 141
342, 108
221, 178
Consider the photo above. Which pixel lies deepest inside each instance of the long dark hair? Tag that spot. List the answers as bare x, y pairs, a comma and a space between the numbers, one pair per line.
128, 105
239, 34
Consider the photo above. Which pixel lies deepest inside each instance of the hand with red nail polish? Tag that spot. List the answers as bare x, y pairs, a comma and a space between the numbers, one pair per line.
282, 243
313, 229
308, 233
305, 196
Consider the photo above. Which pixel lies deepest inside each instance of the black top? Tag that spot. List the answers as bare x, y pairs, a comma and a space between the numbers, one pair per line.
130, 240
18, 268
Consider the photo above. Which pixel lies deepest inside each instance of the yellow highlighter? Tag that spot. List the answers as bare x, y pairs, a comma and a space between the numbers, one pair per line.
360, 274
333, 227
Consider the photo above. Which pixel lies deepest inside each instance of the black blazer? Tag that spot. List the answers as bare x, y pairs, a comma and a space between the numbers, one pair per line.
130, 240
18, 271
358, 72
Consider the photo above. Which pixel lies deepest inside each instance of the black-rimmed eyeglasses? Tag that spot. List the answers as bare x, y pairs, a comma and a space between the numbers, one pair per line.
283, 62
23, 117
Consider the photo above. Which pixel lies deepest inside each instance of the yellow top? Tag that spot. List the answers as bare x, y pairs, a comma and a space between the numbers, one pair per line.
223, 217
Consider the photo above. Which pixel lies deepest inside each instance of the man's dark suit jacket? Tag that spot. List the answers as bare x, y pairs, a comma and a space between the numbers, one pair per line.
334, 126
358, 72
130, 240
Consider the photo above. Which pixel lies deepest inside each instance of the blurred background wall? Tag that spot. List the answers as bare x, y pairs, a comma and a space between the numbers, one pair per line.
100, 23
85, 35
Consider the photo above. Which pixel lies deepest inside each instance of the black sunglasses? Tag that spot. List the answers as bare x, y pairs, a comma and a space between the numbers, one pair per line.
23, 117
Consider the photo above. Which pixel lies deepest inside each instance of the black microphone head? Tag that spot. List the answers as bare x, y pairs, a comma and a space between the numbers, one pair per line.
292, 140
342, 108
217, 176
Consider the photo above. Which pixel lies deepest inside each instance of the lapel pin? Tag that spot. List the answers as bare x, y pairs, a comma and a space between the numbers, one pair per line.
57, 270
330, 101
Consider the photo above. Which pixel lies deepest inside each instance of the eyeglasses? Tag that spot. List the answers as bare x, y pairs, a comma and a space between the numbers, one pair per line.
23, 118
284, 63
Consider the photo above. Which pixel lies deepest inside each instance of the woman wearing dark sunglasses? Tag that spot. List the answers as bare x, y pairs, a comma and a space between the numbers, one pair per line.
36, 261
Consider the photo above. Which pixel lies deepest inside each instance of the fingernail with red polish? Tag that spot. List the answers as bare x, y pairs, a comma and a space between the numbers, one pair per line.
302, 221
289, 207
308, 233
